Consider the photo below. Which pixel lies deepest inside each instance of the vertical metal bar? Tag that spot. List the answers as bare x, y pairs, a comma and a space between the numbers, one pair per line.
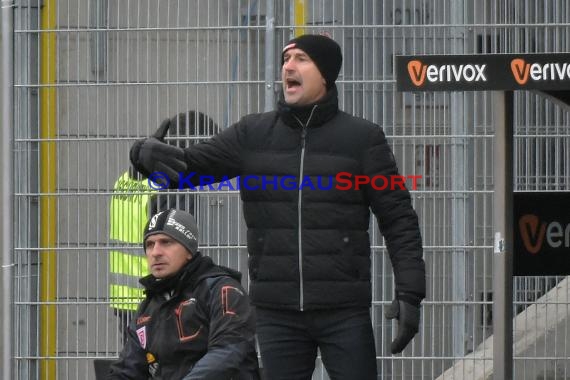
503, 246
458, 185
269, 58
6, 186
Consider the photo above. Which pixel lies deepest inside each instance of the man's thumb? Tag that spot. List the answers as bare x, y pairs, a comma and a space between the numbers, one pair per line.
162, 130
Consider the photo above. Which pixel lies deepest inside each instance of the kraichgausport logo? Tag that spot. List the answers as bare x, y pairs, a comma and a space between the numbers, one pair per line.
340, 181
553, 71
535, 233
471, 72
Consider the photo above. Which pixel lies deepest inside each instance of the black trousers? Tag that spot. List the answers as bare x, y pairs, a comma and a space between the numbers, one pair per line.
289, 340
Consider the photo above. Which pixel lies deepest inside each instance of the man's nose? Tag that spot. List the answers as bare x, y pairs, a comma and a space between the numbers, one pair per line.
289, 65
155, 250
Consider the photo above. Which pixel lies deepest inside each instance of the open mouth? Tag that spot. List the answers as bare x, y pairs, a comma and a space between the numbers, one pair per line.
292, 84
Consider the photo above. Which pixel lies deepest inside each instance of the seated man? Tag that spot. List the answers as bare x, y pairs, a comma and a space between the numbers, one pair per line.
196, 321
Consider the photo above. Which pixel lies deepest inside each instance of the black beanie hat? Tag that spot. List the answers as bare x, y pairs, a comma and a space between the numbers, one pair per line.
179, 225
324, 51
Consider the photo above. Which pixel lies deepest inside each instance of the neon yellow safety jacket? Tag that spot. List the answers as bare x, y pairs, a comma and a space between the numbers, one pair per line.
129, 214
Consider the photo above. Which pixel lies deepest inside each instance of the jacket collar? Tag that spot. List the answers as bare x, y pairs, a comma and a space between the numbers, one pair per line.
188, 275
316, 114
196, 270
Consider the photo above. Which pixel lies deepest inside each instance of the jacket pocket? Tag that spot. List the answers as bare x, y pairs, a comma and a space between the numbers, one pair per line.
188, 327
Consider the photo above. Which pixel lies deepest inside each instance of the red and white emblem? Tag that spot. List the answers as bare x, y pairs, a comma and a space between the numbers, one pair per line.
141, 333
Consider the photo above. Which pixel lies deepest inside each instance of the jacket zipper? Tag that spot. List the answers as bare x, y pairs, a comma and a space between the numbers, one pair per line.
300, 193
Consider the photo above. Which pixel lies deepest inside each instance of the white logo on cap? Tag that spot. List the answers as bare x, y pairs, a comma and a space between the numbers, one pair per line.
153, 220
180, 227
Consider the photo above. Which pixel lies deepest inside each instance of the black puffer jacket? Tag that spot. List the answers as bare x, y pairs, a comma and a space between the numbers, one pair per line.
195, 325
310, 248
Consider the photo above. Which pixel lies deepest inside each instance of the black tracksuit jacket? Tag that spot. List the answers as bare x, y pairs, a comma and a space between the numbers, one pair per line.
309, 248
204, 329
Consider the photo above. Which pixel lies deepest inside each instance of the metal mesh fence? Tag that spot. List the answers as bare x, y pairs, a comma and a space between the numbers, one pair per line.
92, 76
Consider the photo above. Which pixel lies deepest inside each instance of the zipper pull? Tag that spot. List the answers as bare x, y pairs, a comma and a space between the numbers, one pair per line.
303, 135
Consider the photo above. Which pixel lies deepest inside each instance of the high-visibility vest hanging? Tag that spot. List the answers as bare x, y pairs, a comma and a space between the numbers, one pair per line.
128, 216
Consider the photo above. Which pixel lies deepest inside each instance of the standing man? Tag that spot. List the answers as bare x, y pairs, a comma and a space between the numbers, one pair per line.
309, 247
195, 322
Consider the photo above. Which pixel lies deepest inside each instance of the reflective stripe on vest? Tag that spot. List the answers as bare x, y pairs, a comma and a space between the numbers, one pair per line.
129, 214
126, 297
128, 264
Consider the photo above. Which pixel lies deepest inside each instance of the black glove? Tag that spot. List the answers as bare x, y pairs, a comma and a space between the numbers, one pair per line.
408, 317
162, 130
151, 155
154, 155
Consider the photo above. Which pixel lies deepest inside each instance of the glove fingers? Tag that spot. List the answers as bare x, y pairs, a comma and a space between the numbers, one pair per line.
153, 152
134, 158
408, 323
171, 173
404, 337
174, 163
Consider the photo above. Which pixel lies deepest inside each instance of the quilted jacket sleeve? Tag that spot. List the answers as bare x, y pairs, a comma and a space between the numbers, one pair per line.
396, 217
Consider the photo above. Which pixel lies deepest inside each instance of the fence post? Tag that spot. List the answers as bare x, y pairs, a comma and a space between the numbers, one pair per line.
6, 186
269, 58
503, 246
